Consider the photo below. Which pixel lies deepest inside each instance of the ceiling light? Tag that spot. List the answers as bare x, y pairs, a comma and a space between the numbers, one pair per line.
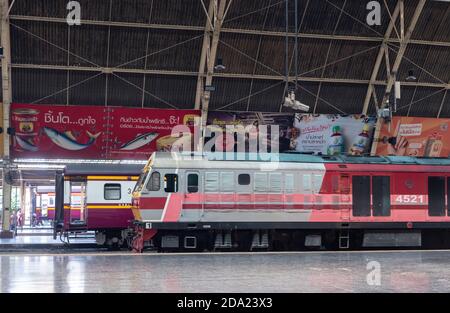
219, 66
411, 77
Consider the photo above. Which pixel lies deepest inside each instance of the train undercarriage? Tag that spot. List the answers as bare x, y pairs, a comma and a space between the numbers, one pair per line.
241, 239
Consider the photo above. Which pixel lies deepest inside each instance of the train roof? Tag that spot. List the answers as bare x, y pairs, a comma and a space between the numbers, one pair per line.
103, 169
299, 158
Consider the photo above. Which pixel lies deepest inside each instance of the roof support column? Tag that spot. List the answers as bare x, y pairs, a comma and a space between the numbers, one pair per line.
7, 98
208, 57
396, 65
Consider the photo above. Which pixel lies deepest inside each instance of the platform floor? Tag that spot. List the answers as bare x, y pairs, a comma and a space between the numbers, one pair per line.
42, 238
401, 271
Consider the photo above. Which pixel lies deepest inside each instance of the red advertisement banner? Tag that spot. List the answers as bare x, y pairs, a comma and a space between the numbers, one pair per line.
135, 133
92, 132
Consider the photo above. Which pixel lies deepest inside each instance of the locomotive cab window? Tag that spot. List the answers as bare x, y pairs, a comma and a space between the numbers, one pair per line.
244, 179
171, 183
154, 183
112, 192
192, 183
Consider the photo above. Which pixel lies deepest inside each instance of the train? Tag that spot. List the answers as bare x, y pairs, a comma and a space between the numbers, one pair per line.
45, 202
97, 198
203, 203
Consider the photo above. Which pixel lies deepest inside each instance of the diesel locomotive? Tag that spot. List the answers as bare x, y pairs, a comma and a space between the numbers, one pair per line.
197, 202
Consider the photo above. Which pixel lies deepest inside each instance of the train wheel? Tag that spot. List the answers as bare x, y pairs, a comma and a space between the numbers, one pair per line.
113, 244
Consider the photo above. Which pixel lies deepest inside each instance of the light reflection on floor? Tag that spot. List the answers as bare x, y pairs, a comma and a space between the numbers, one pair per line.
401, 271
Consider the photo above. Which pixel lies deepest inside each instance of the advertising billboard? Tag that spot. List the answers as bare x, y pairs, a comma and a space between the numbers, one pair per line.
330, 134
93, 132
414, 136
256, 125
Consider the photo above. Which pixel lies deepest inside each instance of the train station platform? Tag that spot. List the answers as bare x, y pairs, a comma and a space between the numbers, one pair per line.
343, 272
37, 238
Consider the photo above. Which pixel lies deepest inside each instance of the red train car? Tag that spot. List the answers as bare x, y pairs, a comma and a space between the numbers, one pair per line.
95, 197
298, 201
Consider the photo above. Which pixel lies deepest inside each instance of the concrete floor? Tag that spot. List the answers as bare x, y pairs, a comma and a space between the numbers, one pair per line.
43, 236
400, 271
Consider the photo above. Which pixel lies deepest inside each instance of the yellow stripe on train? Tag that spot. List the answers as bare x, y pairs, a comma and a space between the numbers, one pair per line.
109, 206
113, 177
86, 178
96, 207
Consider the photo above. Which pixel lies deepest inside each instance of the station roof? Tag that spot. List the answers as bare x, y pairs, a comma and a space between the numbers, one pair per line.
175, 159
147, 53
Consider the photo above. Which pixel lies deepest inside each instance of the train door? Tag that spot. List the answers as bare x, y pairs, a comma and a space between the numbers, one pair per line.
381, 195
193, 207
371, 196
361, 195
78, 211
436, 196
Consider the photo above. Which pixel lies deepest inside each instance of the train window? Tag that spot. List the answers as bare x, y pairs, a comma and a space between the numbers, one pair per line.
381, 193
112, 192
289, 183
171, 183
436, 196
192, 183
260, 182
227, 181
275, 182
154, 183
361, 195
244, 179
211, 181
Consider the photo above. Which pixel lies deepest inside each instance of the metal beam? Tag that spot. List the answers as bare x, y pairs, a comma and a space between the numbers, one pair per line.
402, 50
231, 30
222, 75
442, 104
396, 66
381, 53
7, 99
316, 102
211, 59
203, 55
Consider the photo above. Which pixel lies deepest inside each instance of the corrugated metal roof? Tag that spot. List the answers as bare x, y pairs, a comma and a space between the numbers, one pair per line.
168, 36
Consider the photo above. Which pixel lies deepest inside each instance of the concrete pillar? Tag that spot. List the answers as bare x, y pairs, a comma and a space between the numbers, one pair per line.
7, 98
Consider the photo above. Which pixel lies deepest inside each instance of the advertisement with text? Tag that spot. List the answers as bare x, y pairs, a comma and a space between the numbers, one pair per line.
93, 132
414, 136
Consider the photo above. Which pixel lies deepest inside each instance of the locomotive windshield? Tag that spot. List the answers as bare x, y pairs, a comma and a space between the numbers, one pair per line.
140, 182
144, 174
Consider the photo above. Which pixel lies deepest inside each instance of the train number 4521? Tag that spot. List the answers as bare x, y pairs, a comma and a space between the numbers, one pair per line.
410, 199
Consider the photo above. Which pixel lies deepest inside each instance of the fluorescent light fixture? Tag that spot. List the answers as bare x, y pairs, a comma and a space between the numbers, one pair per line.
397, 90
38, 167
79, 161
